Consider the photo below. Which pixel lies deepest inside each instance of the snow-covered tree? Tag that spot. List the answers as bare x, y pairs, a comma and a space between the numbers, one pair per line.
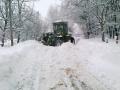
3, 19
96, 15
15, 18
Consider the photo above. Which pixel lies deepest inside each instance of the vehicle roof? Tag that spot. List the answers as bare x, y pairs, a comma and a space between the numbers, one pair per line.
57, 22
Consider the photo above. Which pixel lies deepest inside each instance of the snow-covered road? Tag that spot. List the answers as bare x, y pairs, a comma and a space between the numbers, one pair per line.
89, 65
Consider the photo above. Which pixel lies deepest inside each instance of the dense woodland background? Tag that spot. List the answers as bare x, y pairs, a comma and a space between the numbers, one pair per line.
20, 22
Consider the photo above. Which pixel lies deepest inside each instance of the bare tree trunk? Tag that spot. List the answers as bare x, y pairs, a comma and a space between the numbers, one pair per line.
18, 38
6, 22
103, 36
10, 18
3, 35
20, 21
103, 33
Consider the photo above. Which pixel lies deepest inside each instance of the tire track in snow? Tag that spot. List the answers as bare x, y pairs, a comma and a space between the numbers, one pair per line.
31, 64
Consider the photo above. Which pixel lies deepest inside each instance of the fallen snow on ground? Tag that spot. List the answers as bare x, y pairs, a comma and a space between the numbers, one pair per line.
88, 65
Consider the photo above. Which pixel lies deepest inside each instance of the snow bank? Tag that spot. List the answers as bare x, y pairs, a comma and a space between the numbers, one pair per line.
88, 65
102, 61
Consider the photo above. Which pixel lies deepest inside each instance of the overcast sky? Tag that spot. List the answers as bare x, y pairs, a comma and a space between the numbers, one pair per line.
43, 5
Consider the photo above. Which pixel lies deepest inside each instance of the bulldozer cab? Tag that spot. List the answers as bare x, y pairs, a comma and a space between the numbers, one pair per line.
60, 28
58, 36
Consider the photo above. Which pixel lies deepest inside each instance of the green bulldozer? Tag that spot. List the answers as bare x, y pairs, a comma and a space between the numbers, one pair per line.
58, 36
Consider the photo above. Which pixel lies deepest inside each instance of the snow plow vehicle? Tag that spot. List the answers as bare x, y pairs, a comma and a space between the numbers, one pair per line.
58, 36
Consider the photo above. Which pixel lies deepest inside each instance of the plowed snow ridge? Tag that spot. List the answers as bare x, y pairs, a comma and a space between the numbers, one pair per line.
89, 65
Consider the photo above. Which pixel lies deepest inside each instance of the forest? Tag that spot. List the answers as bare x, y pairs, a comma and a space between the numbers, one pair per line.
98, 18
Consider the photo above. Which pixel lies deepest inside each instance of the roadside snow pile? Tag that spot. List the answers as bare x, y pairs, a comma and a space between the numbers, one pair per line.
89, 65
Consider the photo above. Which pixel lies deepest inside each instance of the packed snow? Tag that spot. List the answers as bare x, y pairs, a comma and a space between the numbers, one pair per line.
88, 65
